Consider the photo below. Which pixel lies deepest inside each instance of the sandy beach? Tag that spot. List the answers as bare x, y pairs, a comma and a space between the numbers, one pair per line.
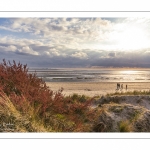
95, 88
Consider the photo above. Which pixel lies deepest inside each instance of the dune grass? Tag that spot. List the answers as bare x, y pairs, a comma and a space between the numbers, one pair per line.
125, 126
134, 92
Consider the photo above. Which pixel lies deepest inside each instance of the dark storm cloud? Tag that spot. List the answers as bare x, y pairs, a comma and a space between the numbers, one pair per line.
4, 44
124, 59
57, 28
22, 53
112, 54
41, 48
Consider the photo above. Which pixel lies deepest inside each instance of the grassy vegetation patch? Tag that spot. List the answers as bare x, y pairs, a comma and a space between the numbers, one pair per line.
125, 126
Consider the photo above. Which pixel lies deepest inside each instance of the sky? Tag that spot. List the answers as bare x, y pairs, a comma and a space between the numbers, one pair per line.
76, 42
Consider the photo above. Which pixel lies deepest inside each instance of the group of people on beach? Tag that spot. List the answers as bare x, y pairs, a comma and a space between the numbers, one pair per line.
120, 86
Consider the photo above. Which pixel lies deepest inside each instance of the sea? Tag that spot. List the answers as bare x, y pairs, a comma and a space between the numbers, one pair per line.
91, 75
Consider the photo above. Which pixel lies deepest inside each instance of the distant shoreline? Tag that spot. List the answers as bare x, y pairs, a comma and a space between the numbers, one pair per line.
94, 68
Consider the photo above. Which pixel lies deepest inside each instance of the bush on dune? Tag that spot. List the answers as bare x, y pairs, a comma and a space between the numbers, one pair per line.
32, 98
23, 87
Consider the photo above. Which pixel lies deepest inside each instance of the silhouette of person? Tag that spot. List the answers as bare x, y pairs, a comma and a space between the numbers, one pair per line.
121, 86
117, 86
126, 86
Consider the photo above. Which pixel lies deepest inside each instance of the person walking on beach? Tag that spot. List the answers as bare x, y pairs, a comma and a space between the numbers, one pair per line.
122, 86
118, 86
126, 86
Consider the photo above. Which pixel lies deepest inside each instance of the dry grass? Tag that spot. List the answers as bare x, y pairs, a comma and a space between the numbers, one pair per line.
135, 92
125, 126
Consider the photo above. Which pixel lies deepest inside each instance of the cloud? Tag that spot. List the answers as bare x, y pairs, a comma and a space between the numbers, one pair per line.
46, 53
76, 41
147, 52
55, 53
80, 55
58, 28
6, 28
112, 54
27, 50
124, 59
68, 33
11, 48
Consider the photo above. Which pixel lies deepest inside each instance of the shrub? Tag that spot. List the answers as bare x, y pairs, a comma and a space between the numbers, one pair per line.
34, 99
23, 87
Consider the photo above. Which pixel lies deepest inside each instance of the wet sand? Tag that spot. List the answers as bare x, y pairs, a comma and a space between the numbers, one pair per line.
95, 88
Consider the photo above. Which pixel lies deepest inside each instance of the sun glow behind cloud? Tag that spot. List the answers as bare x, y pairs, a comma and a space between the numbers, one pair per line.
129, 36
133, 38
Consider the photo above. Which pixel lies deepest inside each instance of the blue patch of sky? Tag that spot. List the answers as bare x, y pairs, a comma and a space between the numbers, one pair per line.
17, 34
3, 20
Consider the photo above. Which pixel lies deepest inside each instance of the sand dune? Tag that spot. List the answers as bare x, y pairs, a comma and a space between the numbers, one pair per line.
127, 113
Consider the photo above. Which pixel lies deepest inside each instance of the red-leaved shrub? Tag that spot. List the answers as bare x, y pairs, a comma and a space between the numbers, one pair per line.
18, 84
26, 90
